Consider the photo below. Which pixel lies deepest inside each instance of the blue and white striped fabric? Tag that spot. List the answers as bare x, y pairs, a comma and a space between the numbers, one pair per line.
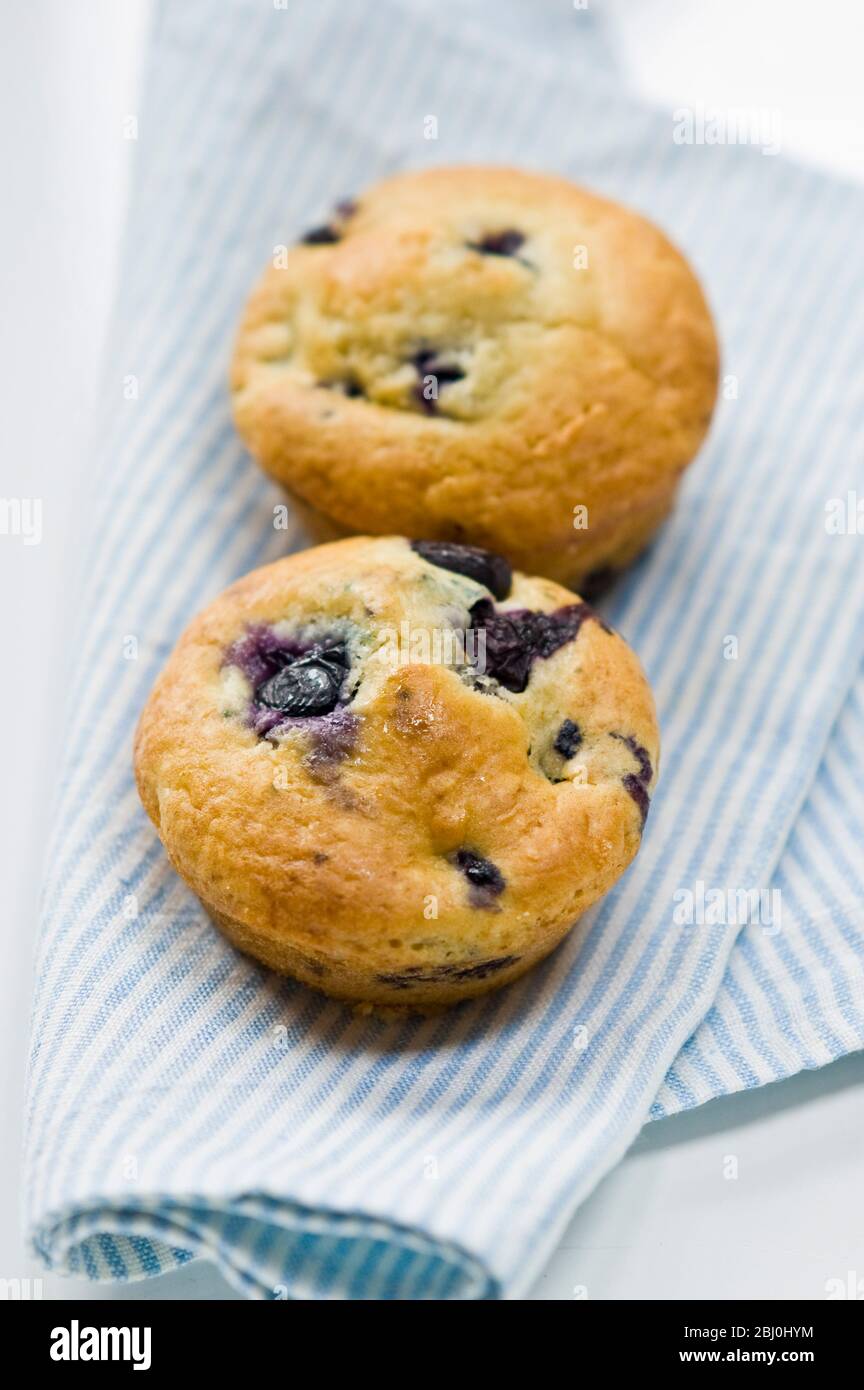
794, 997
183, 1102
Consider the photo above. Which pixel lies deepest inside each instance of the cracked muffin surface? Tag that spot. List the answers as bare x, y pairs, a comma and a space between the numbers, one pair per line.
398, 771
473, 353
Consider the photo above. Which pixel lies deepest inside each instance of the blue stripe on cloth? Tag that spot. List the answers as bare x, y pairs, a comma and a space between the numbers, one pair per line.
183, 1102
793, 993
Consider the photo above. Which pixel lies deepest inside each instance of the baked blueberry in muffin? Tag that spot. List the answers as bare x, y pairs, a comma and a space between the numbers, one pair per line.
398, 771
481, 355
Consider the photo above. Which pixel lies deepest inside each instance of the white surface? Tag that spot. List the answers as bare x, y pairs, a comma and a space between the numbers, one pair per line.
792, 57
670, 1221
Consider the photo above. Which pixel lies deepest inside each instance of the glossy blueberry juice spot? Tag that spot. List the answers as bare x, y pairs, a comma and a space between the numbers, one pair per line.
487, 568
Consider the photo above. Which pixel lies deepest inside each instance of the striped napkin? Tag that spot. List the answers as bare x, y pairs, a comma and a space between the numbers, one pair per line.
183, 1102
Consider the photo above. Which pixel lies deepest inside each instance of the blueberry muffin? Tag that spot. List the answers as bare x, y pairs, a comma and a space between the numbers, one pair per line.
397, 770
482, 355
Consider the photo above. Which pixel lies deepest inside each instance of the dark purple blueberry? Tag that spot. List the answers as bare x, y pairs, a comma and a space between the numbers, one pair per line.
334, 652
637, 783
636, 789
482, 565
290, 677
484, 968
297, 683
641, 755
261, 652
330, 232
428, 363
485, 878
505, 243
568, 739
436, 974
349, 386
515, 639
310, 685
321, 236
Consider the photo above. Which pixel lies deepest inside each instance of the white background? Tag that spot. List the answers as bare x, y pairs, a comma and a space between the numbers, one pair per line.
666, 1223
